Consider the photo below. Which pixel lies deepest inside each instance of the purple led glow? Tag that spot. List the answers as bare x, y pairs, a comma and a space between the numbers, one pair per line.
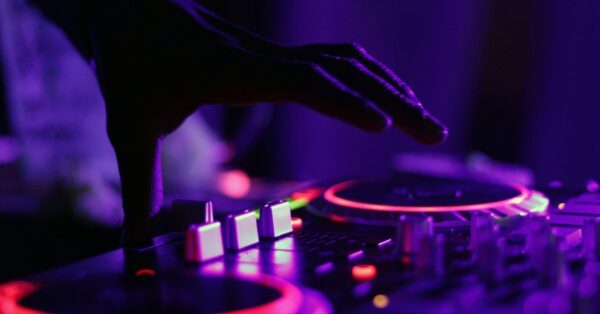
324, 268
10, 150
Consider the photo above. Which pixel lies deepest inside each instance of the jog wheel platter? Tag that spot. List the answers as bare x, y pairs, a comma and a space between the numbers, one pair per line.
151, 292
449, 201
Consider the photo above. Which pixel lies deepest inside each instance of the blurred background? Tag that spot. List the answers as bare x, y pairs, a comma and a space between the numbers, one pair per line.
515, 81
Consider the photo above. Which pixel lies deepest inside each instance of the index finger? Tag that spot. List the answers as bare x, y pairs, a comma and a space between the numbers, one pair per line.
377, 83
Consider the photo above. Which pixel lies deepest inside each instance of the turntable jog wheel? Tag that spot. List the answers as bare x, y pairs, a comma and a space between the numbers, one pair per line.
450, 201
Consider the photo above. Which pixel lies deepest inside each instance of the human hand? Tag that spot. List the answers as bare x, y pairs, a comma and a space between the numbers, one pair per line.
157, 61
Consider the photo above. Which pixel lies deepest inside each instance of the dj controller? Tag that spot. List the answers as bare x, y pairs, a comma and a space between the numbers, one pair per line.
405, 243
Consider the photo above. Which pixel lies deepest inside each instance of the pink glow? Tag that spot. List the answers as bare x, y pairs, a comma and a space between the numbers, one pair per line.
12, 292
290, 301
330, 195
234, 183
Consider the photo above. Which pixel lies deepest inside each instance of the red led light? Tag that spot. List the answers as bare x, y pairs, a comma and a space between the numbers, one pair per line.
330, 195
296, 223
364, 272
338, 218
12, 292
306, 195
145, 272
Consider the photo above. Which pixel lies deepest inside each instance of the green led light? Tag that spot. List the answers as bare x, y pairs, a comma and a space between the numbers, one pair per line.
299, 203
294, 204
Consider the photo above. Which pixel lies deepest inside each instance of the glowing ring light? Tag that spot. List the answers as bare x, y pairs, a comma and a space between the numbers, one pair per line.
12, 292
330, 196
290, 301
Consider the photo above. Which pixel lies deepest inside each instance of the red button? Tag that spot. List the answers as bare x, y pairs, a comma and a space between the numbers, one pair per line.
145, 272
364, 272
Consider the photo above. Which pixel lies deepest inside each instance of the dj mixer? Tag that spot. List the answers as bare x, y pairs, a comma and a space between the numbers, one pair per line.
405, 243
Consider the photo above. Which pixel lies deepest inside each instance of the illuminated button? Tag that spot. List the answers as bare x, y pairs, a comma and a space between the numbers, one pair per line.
203, 242
275, 219
364, 272
296, 223
240, 231
324, 268
355, 255
381, 301
145, 272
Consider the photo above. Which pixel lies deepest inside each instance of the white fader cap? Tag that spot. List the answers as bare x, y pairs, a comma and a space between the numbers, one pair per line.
240, 231
275, 219
204, 241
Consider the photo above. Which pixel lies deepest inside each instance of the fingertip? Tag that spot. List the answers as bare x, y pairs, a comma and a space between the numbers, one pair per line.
433, 131
426, 129
444, 134
388, 121
435, 138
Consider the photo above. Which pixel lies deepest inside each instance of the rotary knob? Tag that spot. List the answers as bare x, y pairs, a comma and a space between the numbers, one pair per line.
481, 224
411, 233
590, 233
431, 259
488, 254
